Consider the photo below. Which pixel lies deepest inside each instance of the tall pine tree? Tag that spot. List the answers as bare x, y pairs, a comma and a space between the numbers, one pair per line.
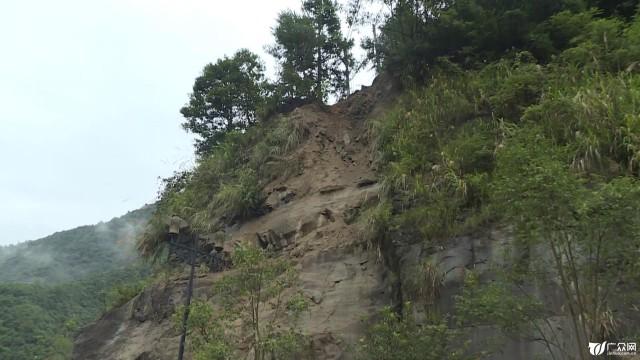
314, 56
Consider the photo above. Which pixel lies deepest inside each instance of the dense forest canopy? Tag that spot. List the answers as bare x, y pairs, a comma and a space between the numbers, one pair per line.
51, 287
72, 254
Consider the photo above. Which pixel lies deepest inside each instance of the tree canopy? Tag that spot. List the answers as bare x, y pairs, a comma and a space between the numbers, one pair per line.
314, 56
225, 97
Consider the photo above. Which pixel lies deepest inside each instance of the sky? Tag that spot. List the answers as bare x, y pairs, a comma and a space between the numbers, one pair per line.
90, 93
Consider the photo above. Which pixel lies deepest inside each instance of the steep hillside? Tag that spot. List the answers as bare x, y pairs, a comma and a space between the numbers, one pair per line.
52, 286
366, 246
311, 218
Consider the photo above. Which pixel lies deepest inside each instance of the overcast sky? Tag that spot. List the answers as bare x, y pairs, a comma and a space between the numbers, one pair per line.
90, 93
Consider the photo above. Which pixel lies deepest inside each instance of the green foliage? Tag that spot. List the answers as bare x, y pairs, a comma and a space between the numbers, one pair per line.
239, 199
392, 337
522, 87
206, 332
258, 280
557, 33
73, 254
123, 292
295, 49
551, 205
600, 121
422, 284
39, 321
496, 303
436, 149
226, 186
505, 303
416, 33
531, 173
375, 225
536, 147
606, 45
225, 98
315, 58
624, 8
52, 286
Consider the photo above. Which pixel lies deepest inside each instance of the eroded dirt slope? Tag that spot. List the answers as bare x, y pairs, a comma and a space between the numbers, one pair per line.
310, 223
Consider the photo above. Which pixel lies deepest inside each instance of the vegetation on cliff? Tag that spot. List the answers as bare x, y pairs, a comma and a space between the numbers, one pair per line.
540, 135
515, 113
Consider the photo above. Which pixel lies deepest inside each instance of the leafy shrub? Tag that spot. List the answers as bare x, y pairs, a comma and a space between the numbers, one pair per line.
596, 117
433, 150
552, 206
522, 87
423, 285
238, 200
122, 293
496, 303
393, 337
604, 44
206, 332
375, 224
258, 280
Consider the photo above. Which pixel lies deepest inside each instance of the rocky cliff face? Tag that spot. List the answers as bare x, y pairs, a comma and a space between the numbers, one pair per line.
311, 223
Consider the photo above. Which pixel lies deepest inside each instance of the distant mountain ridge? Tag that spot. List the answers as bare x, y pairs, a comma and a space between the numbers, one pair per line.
73, 254
52, 286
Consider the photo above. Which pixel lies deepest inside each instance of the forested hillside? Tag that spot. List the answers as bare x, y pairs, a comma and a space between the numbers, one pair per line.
51, 287
72, 254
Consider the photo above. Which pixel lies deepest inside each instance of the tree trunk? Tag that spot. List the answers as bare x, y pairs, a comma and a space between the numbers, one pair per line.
319, 51
376, 57
347, 74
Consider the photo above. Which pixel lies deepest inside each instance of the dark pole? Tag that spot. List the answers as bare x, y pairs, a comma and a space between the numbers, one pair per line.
185, 318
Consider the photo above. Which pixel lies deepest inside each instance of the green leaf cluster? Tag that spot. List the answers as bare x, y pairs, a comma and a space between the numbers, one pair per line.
392, 337
472, 33
225, 98
254, 295
314, 55
39, 321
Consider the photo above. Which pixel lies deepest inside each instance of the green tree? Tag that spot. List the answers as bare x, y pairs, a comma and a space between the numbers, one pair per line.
225, 97
314, 56
259, 279
624, 8
393, 337
586, 228
206, 331
416, 33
